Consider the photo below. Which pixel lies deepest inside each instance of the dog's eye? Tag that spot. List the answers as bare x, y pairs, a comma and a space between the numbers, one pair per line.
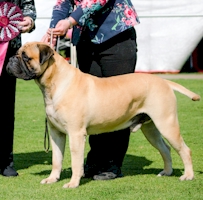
25, 57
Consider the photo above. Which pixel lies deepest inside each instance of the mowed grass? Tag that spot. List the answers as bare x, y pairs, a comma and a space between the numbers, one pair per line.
141, 165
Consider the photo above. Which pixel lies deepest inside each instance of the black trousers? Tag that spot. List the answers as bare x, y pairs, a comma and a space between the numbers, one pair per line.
7, 107
114, 57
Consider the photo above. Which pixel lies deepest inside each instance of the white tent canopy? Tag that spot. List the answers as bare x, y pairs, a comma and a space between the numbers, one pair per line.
168, 33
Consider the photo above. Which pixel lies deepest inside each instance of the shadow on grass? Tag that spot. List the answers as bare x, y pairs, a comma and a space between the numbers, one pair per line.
132, 165
26, 160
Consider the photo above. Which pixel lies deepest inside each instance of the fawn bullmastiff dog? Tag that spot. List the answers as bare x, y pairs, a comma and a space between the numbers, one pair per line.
79, 104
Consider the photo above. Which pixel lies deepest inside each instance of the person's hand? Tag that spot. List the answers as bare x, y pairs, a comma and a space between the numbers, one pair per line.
47, 38
61, 27
26, 25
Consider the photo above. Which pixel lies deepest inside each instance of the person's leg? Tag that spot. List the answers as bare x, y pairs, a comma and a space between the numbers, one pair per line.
120, 58
7, 107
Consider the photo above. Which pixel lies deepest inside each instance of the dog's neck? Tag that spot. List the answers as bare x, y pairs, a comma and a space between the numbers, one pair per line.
58, 69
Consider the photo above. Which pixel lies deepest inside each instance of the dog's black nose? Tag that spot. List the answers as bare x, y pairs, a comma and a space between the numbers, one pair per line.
12, 62
9, 71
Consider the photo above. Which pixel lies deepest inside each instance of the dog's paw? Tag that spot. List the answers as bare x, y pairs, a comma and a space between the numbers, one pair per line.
187, 177
49, 180
71, 185
165, 173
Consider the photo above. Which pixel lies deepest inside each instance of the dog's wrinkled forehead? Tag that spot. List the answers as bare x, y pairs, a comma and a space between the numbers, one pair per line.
30, 50
37, 51
26, 46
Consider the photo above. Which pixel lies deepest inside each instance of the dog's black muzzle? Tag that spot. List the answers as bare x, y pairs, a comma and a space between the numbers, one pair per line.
16, 67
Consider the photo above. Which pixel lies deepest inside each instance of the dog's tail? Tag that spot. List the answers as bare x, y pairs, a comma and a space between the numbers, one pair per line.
179, 88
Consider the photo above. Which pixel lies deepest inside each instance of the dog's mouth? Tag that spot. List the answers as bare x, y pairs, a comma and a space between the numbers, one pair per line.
16, 67
13, 66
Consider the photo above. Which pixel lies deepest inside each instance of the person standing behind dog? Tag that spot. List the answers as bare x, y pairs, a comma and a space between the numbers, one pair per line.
105, 40
8, 87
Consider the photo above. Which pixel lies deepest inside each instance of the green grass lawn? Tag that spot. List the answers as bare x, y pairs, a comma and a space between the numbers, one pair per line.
141, 165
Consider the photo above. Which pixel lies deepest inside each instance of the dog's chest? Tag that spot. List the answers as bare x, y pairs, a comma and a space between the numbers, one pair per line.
54, 117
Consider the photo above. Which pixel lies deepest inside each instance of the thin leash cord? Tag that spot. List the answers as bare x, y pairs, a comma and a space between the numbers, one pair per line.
51, 41
46, 137
46, 133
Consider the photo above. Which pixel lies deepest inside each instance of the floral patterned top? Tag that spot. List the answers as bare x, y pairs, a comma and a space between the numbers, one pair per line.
28, 9
99, 19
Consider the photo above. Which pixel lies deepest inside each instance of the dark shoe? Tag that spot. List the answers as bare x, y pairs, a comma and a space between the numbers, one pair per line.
9, 171
90, 171
106, 176
112, 173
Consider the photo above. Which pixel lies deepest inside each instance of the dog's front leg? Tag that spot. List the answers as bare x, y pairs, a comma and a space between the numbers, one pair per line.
77, 147
58, 141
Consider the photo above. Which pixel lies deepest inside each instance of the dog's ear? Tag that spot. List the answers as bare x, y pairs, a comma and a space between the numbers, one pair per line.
45, 53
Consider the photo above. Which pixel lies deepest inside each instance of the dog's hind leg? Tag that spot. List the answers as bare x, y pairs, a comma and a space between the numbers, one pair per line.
154, 137
77, 147
169, 128
58, 141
